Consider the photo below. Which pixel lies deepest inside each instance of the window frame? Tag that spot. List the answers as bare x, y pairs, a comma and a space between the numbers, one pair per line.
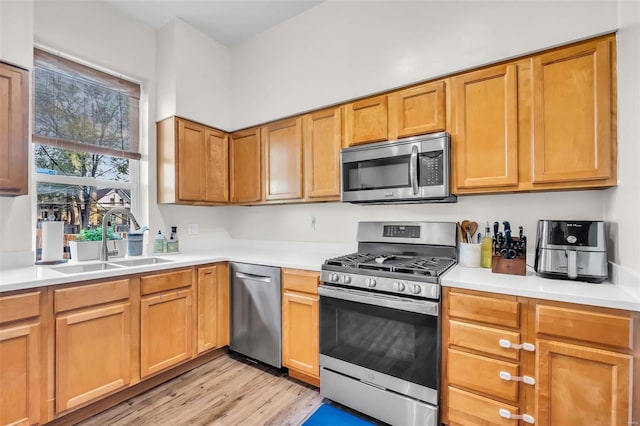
133, 185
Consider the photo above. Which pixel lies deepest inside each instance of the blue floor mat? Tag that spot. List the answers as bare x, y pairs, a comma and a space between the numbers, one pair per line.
327, 415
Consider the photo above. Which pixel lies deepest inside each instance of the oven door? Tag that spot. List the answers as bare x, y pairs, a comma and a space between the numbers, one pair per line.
388, 341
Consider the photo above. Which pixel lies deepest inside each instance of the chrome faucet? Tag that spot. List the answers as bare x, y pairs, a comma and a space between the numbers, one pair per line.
104, 253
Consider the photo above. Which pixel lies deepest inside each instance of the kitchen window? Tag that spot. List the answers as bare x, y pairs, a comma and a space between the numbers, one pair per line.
85, 143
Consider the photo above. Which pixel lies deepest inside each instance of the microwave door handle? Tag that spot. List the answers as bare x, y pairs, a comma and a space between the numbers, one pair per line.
413, 169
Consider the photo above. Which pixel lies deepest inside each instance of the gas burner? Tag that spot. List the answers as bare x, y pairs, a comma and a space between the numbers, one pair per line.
432, 266
350, 260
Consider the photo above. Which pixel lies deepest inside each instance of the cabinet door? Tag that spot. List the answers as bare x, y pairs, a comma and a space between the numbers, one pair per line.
20, 387
14, 128
165, 330
485, 128
300, 332
213, 307
282, 159
217, 161
572, 377
244, 169
572, 138
417, 110
191, 173
322, 144
92, 354
366, 121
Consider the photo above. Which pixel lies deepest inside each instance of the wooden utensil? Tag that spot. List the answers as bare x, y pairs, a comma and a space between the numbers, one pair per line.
460, 233
473, 227
465, 231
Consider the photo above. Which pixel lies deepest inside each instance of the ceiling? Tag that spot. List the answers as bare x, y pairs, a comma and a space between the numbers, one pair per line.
230, 22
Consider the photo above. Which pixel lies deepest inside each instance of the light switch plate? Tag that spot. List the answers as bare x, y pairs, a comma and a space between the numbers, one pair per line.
192, 228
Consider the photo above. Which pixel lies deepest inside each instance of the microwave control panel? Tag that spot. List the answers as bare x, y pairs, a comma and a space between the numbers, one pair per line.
431, 167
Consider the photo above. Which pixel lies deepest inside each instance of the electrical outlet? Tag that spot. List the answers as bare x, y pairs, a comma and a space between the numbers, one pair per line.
312, 222
192, 228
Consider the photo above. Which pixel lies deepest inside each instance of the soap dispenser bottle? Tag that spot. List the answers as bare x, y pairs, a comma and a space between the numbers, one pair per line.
485, 248
158, 246
172, 245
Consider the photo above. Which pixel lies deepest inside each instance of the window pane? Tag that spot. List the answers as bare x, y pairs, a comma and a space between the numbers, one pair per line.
57, 161
79, 207
79, 110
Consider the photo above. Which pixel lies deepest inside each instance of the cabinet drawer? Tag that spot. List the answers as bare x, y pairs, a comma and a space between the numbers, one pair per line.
594, 327
168, 281
482, 374
90, 295
20, 306
482, 338
299, 280
468, 409
504, 312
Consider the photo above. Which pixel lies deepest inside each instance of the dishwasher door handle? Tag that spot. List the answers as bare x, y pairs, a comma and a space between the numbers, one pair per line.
253, 277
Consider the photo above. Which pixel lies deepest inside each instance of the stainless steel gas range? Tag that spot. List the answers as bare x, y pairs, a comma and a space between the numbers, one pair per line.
380, 323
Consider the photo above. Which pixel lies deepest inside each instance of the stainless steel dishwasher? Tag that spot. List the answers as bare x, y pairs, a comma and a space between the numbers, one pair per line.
256, 312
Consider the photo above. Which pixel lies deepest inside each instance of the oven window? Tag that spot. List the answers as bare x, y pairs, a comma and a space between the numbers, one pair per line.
398, 343
377, 174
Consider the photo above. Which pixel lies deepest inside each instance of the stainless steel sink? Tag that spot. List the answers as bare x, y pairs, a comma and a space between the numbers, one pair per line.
140, 262
89, 267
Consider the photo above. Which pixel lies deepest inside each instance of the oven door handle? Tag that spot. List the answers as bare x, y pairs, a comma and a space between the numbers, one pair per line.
413, 169
402, 304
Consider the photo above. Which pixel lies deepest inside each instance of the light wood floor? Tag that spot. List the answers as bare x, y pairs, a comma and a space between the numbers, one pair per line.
225, 391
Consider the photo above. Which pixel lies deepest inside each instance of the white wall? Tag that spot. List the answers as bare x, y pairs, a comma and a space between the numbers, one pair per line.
340, 50
622, 203
193, 76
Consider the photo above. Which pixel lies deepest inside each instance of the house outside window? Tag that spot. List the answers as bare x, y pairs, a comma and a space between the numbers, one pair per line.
85, 136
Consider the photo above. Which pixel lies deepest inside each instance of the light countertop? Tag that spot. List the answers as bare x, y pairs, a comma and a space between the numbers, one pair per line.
310, 256
606, 294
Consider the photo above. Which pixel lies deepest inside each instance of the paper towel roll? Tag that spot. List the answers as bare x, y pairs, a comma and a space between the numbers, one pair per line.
52, 244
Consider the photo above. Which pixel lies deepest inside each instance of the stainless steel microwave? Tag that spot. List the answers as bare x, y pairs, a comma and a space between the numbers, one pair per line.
410, 170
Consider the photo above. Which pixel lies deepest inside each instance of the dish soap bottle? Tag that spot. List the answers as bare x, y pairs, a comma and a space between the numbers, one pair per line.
158, 246
172, 245
485, 248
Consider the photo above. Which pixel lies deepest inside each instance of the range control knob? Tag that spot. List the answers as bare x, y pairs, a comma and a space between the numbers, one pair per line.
347, 279
370, 282
334, 277
415, 289
398, 285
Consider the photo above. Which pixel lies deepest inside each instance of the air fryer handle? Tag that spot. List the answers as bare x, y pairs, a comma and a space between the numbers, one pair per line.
572, 269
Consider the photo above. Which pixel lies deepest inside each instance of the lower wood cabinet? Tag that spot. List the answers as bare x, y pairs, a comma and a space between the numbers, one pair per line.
93, 334
22, 381
300, 321
551, 364
213, 307
165, 330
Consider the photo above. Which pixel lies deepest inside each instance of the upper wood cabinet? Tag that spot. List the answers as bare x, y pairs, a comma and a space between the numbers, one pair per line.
22, 378
417, 110
282, 159
192, 163
366, 121
484, 131
572, 114
14, 130
322, 135
245, 170
543, 122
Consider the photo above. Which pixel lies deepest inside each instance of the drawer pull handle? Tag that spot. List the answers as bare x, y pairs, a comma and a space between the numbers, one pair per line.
525, 379
525, 417
529, 347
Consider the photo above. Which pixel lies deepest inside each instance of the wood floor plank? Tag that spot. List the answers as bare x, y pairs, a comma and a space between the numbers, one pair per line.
225, 391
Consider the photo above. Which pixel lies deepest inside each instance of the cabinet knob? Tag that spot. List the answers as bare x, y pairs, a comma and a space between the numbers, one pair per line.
504, 413
524, 379
529, 347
